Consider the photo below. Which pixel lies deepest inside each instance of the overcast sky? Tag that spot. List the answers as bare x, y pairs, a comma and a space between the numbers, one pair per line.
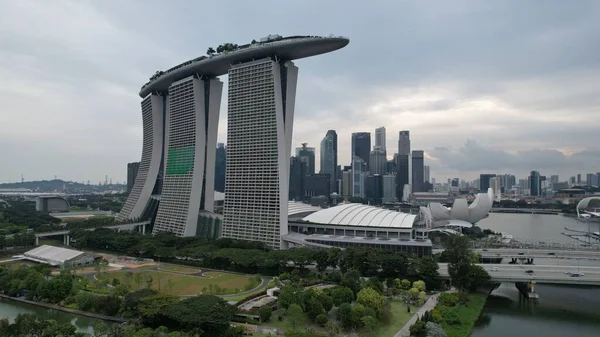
494, 86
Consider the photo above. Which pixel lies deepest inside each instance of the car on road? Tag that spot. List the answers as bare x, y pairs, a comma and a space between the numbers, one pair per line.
576, 274
521, 253
494, 269
484, 249
529, 271
551, 253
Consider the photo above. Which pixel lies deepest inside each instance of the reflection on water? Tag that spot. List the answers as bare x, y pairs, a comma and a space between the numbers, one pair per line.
10, 309
560, 311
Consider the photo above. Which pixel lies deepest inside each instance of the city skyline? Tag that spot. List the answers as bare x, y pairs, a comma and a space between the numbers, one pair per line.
474, 102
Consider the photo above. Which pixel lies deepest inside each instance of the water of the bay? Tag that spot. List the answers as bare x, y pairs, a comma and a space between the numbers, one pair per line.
10, 309
560, 310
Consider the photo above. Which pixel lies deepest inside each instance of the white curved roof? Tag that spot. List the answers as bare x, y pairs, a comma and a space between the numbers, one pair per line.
362, 215
295, 207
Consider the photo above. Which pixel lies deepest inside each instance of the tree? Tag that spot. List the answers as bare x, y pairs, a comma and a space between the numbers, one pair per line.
371, 299
344, 315
314, 308
428, 272
321, 320
418, 329
326, 301
210, 51
209, 313
351, 279
375, 284
322, 259
459, 253
477, 277
289, 295
369, 324
413, 294
332, 329
342, 295
265, 313
294, 314
420, 285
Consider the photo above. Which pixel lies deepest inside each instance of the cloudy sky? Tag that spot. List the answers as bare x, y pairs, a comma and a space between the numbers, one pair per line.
494, 86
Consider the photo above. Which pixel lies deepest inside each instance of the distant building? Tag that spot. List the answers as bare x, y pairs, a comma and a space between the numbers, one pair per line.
51, 204
374, 188
404, 143
390, 166
495, 185
297, 174
361, 147
316, 185
132, 171
578, 178
347, 183
220, 167
389, 188
329, 159
535, 187
484, 182
378, 161
418, 171
426, 173
358, 177
307, 156
402, 175
59, 257
380, 138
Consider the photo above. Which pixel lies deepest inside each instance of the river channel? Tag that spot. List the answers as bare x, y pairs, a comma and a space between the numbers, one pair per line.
10, 309
561, 310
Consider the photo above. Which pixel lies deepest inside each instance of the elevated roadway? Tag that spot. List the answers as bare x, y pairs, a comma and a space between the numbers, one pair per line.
541, 274
517, 253
66, 238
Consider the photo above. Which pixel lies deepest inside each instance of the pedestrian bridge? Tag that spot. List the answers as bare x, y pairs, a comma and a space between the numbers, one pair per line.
139, 226
560, 274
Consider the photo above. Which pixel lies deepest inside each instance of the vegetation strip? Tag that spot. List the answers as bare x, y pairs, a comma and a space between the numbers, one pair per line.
65, 309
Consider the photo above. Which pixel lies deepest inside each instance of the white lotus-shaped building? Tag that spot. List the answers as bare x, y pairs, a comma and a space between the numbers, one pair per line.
461, 213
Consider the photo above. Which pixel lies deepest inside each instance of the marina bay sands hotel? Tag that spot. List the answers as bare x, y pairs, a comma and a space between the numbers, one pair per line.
180, 113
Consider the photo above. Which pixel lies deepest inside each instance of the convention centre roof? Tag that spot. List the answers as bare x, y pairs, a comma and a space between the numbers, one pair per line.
54, 255
361, 215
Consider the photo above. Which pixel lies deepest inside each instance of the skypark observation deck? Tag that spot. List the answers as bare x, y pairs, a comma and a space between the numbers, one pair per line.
283, 48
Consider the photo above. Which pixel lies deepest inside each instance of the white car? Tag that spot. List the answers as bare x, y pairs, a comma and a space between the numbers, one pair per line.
494, 269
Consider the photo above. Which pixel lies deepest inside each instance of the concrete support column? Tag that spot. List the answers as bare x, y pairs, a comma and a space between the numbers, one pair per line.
37, 241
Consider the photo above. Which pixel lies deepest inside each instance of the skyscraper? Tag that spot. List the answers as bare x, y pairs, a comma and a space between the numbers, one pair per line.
188, 183
418, 171
132, 172
180, 110
329, 158
307, 155
380, 138
389, 188
484, 182
404, 143
402, 176
426, 173
361, 147
495, 184
297, 175
259, 138
378, 161
220, 166
358, 177
535, 184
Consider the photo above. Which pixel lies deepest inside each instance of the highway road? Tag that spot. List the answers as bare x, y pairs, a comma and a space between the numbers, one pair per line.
589, 254
541, 273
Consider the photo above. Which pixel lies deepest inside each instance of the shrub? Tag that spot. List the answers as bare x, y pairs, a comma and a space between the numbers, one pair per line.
321, 319
265, 313
418, 329
434, 330
449, 315
448, 299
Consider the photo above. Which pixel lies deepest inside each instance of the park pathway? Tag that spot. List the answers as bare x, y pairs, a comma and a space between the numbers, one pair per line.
430, 304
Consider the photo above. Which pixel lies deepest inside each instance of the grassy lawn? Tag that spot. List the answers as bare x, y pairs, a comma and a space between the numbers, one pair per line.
181, 284
399, 318
18, 264
271, 284
468, 315
180, 269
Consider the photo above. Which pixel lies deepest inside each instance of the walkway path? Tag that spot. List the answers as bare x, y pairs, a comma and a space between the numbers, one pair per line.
430, 304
